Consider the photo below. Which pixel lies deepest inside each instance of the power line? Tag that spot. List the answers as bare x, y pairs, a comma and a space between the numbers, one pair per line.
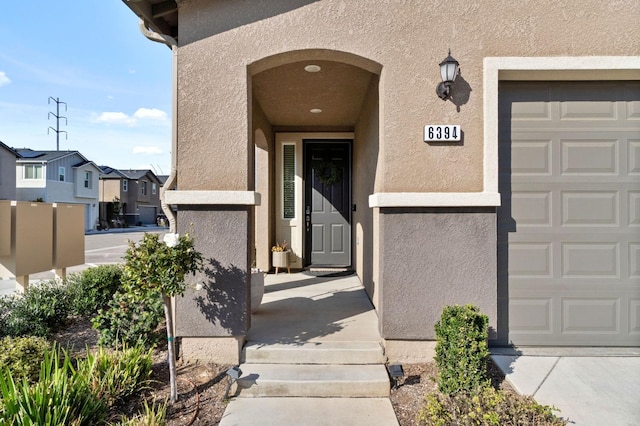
58, 117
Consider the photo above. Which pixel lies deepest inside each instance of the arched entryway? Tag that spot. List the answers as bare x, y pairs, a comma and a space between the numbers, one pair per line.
308, 108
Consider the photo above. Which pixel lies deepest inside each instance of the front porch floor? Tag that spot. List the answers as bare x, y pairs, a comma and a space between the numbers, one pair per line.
299, 308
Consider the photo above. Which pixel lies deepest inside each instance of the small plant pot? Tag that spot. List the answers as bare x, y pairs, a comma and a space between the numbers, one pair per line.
280, 259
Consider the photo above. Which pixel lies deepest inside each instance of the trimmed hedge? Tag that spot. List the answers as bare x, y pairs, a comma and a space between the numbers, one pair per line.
461, 349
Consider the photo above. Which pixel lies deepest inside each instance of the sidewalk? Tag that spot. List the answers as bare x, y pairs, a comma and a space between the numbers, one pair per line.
590, 386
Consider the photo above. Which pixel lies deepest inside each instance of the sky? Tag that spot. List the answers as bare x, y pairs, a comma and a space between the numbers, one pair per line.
90, 55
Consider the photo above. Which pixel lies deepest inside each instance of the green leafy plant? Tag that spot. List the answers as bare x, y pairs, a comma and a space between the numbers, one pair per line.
116, 375
61, 396
129, 319
152, 415
21, 356
461, 349
161, 266
487, 406
93, 288
42, 310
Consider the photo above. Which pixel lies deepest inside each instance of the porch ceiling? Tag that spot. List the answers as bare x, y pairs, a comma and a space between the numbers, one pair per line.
287, 93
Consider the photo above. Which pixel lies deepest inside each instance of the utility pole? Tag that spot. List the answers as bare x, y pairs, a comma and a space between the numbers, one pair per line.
58, 117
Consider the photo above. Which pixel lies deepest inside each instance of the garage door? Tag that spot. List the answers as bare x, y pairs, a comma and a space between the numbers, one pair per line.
147, 215
569, 227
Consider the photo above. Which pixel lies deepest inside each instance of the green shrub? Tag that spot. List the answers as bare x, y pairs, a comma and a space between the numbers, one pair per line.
117, 375
21, 356
461, 349
153, 415
93, 288
129, 319
60, 397
42, 310
486, 407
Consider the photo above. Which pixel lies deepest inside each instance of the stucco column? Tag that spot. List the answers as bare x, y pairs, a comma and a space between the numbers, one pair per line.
212, 317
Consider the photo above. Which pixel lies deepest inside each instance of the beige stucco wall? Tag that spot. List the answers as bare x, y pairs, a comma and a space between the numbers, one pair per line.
408, 43
109, 189
263, 165
365, 163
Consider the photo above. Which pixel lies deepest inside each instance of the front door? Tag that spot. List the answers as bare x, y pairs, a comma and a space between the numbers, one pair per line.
327, 203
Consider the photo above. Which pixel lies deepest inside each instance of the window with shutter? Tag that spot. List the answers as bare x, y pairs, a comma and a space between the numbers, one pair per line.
288, 181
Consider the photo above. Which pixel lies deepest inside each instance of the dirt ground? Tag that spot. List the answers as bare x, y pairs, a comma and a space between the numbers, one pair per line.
202, 386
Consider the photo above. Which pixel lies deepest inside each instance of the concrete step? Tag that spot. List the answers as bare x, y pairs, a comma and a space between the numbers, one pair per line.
314, 353
309, 412
340, 381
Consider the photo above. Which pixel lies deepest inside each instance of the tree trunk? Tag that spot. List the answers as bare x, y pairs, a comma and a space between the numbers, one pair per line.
170, 348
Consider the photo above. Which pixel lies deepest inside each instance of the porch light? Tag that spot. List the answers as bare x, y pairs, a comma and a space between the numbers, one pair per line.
315, 111
396, 372
448, 72
312, 68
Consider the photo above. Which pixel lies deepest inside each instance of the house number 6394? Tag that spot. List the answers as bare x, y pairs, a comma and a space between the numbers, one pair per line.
441, 133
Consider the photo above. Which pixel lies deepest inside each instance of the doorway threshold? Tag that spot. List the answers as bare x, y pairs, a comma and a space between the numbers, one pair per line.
327, 271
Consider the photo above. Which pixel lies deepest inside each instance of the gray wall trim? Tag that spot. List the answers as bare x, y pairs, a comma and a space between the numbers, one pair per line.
431, 258
247, 198
219, 308
434, 199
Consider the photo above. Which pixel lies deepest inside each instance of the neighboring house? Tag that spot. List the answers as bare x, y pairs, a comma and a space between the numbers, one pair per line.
58, 177
7, 172
138, 192
305, 121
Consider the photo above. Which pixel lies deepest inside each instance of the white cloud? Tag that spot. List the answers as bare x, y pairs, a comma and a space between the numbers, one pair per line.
147, 150
141, 114
115, 118
4, 80
150, 113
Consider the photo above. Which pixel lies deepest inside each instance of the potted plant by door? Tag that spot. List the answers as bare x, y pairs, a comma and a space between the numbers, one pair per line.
280, 256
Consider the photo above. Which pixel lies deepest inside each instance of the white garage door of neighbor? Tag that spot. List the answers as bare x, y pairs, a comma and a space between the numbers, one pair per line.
569, 227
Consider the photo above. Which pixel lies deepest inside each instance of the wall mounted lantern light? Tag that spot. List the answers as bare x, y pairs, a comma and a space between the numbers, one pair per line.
448, 72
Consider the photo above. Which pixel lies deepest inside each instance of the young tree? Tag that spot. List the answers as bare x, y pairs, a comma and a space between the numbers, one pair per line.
160, 266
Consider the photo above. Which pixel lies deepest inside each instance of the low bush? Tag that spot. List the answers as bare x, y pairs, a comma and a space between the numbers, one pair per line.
461, 349
153, 415
486, 407
93, 288
130, 319
117, 375
21, 356
59, 397
42, 310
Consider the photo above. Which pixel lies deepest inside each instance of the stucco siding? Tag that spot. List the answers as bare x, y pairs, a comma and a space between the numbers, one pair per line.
220, 307
366, 164
434, 258
213, 72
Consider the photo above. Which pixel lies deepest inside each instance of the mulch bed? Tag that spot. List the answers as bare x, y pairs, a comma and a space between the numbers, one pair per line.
202, 386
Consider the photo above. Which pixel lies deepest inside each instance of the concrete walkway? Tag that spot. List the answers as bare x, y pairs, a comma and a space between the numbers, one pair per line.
590, 386
309, 320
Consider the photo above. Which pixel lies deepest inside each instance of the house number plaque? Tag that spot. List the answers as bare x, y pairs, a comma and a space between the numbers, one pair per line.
441, 133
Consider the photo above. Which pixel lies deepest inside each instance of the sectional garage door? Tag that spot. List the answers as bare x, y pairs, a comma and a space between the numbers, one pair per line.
569, 227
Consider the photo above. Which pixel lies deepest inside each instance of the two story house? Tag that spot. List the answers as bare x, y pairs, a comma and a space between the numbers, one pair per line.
7, 172
58, 177
138, 192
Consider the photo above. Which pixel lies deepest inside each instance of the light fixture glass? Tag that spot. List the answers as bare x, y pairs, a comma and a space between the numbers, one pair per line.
315, 110
312, 68
448, 73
